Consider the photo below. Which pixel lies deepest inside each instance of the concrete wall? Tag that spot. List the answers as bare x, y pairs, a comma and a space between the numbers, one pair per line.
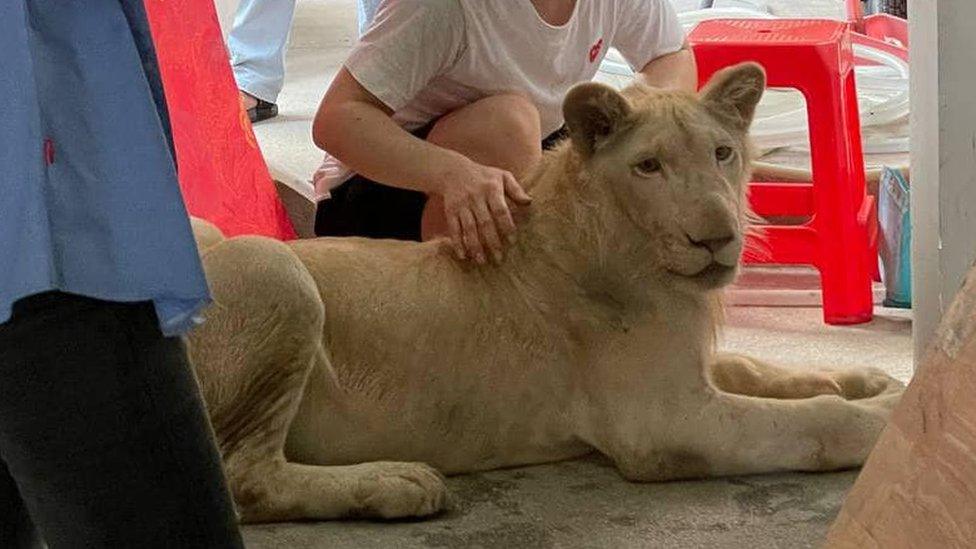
943, 60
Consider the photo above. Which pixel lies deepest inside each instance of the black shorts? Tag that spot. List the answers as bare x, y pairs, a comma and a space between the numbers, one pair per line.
363, 207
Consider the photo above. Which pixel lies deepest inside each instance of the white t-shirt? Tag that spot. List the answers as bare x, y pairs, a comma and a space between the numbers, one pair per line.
426, 58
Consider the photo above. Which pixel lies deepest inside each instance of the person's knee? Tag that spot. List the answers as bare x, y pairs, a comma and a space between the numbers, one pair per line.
501, 130
512, 118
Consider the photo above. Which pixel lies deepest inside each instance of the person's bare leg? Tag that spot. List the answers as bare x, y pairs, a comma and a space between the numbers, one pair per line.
501, 131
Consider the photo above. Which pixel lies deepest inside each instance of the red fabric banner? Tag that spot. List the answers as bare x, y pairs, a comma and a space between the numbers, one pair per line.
222, 173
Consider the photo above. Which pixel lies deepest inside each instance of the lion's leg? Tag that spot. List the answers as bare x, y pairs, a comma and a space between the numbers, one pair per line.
206, 234
729, 434
747, 376
253, 356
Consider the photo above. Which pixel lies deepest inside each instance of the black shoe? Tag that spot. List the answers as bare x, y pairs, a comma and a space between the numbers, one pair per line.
262, 111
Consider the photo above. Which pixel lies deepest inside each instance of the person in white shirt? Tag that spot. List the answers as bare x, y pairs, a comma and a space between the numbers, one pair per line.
444, 104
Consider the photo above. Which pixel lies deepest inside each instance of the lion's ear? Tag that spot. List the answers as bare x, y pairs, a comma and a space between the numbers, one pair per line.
593, 113
733, 93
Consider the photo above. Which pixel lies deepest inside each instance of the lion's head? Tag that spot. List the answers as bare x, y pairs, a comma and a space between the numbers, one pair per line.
676, 165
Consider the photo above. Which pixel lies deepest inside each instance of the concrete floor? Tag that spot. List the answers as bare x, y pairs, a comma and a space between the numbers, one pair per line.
582, 504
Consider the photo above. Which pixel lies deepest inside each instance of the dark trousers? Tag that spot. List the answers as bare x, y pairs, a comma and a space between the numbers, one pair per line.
363, 207
104, 441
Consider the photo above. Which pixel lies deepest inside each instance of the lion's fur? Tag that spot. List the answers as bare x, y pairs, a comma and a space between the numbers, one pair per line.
206, 234
595, 333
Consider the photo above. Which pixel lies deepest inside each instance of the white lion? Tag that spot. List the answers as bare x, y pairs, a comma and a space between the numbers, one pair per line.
342, 374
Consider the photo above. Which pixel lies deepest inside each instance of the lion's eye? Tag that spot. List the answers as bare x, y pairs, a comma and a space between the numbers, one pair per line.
723, 153
648, 167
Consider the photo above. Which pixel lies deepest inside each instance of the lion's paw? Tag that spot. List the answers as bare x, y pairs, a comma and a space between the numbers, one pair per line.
392, 490
814, 385
867, 383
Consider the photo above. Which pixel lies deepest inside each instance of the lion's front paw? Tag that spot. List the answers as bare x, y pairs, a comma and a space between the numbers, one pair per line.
815, 385
863, 383
398, 490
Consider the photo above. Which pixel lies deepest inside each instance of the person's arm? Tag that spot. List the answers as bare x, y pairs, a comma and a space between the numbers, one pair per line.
650, 37
356, 128
676, 70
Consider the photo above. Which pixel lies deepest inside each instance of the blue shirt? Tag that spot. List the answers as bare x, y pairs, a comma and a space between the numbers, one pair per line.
89, 200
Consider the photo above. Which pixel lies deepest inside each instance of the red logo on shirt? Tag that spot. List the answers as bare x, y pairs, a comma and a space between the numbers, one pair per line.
595, 50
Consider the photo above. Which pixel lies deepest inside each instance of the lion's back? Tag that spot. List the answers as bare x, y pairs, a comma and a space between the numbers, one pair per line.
384, 298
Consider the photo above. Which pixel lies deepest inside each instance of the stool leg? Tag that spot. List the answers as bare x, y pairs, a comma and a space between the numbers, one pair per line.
839, 192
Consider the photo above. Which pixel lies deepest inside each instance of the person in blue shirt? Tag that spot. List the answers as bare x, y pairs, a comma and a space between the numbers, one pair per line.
104, 441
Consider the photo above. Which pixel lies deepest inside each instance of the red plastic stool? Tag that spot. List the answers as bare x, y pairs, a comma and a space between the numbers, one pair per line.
840, 239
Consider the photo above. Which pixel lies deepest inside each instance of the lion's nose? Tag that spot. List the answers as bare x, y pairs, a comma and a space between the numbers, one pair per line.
725, 249
715, 244
711, 224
